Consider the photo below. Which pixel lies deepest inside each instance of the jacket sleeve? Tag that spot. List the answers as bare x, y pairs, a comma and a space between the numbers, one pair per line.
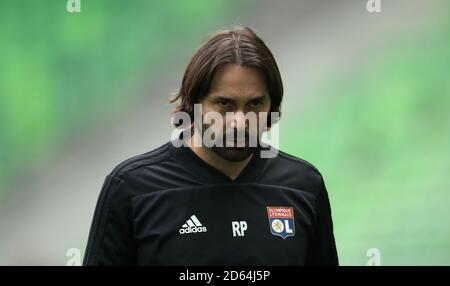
110, 239
322, 247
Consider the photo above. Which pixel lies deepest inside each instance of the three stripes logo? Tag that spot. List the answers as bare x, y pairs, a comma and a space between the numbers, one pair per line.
192, 225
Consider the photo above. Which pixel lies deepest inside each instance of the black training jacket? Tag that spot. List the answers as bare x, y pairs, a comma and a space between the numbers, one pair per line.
169, 207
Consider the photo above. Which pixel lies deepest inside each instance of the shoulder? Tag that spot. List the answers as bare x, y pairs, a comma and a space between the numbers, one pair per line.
299, 163
127, 176
132, 165
295, 172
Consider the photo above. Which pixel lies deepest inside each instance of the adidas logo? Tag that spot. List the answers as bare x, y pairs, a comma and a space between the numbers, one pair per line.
192, 225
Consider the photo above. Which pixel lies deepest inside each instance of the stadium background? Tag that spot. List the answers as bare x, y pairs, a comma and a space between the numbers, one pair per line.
367, 99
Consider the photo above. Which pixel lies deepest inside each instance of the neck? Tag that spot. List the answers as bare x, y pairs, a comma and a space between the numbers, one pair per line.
229, 168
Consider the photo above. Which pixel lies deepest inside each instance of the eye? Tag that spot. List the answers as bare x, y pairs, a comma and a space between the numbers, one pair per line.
223, 103
256, 103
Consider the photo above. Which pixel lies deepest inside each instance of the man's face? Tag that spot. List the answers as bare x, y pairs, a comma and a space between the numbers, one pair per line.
240, 90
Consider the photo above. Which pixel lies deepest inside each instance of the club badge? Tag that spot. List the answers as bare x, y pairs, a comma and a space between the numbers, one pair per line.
281, 221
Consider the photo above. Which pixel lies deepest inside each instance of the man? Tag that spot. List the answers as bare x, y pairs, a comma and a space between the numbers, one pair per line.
209, 197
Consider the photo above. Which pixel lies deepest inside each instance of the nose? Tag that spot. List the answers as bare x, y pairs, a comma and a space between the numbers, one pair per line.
238, 121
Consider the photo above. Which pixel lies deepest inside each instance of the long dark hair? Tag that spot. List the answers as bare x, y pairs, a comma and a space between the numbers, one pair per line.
239, 45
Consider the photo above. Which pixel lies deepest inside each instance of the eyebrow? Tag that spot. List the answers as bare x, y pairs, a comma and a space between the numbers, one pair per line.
224, 97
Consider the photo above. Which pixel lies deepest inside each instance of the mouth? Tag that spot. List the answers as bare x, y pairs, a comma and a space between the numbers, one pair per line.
236, 143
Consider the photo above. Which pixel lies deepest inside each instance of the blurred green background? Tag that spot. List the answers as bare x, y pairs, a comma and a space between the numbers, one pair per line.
367, 102
381, 138
60, 71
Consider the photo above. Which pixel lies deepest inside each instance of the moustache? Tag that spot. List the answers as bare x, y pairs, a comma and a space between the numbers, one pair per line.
244, 141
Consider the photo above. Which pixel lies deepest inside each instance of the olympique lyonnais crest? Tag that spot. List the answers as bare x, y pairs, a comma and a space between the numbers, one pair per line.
281, 221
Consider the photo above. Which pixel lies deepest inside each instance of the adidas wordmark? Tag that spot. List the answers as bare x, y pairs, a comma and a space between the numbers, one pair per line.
192, 225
